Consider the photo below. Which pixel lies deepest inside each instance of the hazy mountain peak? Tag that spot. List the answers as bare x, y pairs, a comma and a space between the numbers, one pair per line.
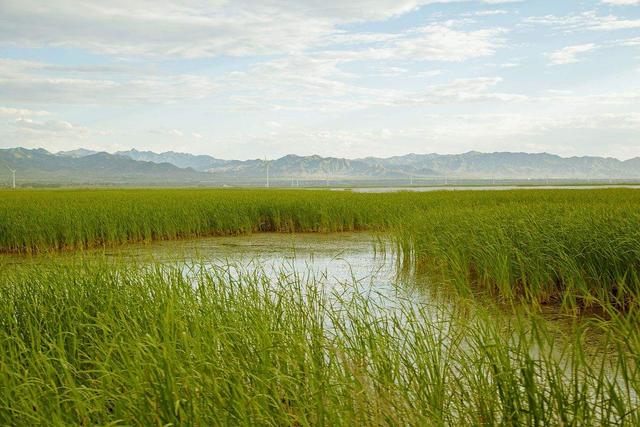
80, 152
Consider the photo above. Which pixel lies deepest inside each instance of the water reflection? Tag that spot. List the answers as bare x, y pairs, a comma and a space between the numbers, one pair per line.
344, 264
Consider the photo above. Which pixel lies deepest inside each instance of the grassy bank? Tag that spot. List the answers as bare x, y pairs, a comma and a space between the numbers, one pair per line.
97, 344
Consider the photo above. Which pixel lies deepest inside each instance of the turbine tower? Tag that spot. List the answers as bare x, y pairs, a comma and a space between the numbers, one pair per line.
13, 173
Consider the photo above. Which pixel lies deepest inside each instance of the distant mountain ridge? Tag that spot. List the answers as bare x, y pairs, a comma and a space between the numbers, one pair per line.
499, 165
38, 166
135, 167
182, 160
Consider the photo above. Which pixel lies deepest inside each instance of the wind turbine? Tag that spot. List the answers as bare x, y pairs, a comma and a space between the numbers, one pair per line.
13, 172
267, 162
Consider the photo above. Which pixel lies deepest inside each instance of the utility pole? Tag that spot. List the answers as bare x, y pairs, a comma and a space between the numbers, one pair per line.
13, 173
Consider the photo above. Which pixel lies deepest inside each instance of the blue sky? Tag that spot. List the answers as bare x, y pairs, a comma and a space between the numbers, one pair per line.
254, 78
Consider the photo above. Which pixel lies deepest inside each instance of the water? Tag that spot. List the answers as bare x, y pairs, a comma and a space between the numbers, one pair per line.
338, 258
342, 263
482, 188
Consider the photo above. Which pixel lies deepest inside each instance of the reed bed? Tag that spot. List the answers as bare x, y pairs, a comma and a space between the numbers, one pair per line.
89, 343
579, 248
42, 220
92, 342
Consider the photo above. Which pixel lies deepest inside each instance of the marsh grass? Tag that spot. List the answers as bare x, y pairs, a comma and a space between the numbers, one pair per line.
91, 342
43, 220
580, 250
576, 248
95, 343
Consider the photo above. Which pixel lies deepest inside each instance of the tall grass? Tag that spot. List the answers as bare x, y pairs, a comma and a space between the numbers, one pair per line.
40, 220
97, 344
580, 248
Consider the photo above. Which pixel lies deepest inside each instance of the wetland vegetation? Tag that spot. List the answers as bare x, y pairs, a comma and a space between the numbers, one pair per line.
94, 340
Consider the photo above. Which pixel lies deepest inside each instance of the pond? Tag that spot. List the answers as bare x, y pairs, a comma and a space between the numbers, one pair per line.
345, 265
342, 262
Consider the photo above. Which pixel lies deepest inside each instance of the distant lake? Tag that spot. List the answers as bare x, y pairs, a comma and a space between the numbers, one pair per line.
482, 188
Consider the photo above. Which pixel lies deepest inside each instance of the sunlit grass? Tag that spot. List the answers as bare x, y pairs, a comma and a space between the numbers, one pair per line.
576, 249
98, 344
117, 343
41, 220
579, 248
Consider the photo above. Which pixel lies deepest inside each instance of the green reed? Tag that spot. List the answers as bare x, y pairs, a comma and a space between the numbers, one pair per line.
579, 248
90, 343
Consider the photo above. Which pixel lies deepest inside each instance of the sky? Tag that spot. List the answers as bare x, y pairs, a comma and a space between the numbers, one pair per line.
244, 79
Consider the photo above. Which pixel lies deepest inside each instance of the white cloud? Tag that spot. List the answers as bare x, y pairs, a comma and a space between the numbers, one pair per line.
589, 21
23, 81
304, 84
492, 12
32, 129
444, 43
317, 80
569, 54
49, 126
22, 112
190, 28
461, 91
629, 99
622, 2
176, 133
634, 42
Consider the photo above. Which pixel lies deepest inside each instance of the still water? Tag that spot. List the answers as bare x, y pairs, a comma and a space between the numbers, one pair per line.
481, 188
345, 263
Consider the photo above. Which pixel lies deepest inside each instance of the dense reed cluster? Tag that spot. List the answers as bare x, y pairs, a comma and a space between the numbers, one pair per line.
40, 220
97, 344
578, 248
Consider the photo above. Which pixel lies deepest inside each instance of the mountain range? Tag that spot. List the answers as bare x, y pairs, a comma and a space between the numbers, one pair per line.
40, 167
84, 166
499, 165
